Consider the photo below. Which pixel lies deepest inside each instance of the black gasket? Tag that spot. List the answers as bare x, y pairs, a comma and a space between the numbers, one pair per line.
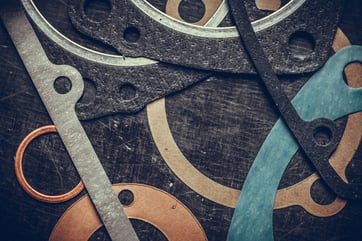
159, 42
303, 131
103, 83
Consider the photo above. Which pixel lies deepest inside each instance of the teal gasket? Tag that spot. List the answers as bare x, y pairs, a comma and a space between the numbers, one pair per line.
324, 95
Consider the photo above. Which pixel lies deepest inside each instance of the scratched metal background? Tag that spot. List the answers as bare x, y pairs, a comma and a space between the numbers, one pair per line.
219, 124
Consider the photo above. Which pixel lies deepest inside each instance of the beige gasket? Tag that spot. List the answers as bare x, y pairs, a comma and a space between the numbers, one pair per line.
172, 9
268, 5
170, 152
150, 204
20, 174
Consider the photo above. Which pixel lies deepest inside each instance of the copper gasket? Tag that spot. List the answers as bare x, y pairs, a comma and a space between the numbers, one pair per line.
150, 204
20, 174
227, 196
268, 5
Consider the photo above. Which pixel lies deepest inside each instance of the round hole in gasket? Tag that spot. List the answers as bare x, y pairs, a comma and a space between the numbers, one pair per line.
100, 234
352, 71
62, 85
322, 135
89, 92
126, 197
301, 44
45, 153
127, 91
191, 11
131, 34
144, 231
321, 194
97, 10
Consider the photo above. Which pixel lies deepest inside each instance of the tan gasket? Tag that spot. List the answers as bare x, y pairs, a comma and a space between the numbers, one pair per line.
170, 152
172, 9
150, 204
268, 5
20, 174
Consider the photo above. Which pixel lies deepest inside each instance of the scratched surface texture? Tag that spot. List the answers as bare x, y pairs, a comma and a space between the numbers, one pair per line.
219, 124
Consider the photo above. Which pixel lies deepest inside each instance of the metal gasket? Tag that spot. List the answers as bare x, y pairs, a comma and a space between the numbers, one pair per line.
268, 5
150, 204
60, 107
20, 174
253, 214
147, 80
160, 81
299, 194
157, 34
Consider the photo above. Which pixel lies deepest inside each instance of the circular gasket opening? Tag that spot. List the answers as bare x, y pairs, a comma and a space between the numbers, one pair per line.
301, 44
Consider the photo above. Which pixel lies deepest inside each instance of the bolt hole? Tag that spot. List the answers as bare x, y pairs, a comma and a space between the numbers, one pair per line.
321, 194
301, 44
62, 85
127, 91
131, 34
191, 11
97, 10
126, 197
322, 135
351, 74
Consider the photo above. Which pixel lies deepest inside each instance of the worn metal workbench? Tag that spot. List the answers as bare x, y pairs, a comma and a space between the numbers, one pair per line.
218, 124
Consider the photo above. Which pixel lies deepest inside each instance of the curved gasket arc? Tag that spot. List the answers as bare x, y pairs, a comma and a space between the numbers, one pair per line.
227, 196
116, 60
150, 204
253, 214
214, 32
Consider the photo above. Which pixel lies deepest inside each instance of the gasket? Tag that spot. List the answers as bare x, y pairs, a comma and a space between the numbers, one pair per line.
20, 174
268, 5
130, 83
162, 136
60, 106
252, 219
150, 204
165, 39
303, 130
216, 192
299, 194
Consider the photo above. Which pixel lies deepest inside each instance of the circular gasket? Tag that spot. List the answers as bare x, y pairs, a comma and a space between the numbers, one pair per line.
20, 174
150, 204
227, 196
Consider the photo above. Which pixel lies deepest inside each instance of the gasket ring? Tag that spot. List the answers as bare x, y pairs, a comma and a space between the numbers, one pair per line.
20, 174
151, 205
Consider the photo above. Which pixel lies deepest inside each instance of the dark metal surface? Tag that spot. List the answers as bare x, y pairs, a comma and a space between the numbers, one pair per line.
219, 124
184, 45
60, 107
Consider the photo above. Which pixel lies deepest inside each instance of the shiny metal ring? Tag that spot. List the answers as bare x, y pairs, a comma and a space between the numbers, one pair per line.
211, 31
20, 174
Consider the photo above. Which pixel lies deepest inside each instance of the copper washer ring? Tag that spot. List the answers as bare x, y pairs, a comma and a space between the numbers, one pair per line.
20, 174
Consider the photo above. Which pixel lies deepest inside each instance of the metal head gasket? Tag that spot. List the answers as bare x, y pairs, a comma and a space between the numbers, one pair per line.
161, 38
